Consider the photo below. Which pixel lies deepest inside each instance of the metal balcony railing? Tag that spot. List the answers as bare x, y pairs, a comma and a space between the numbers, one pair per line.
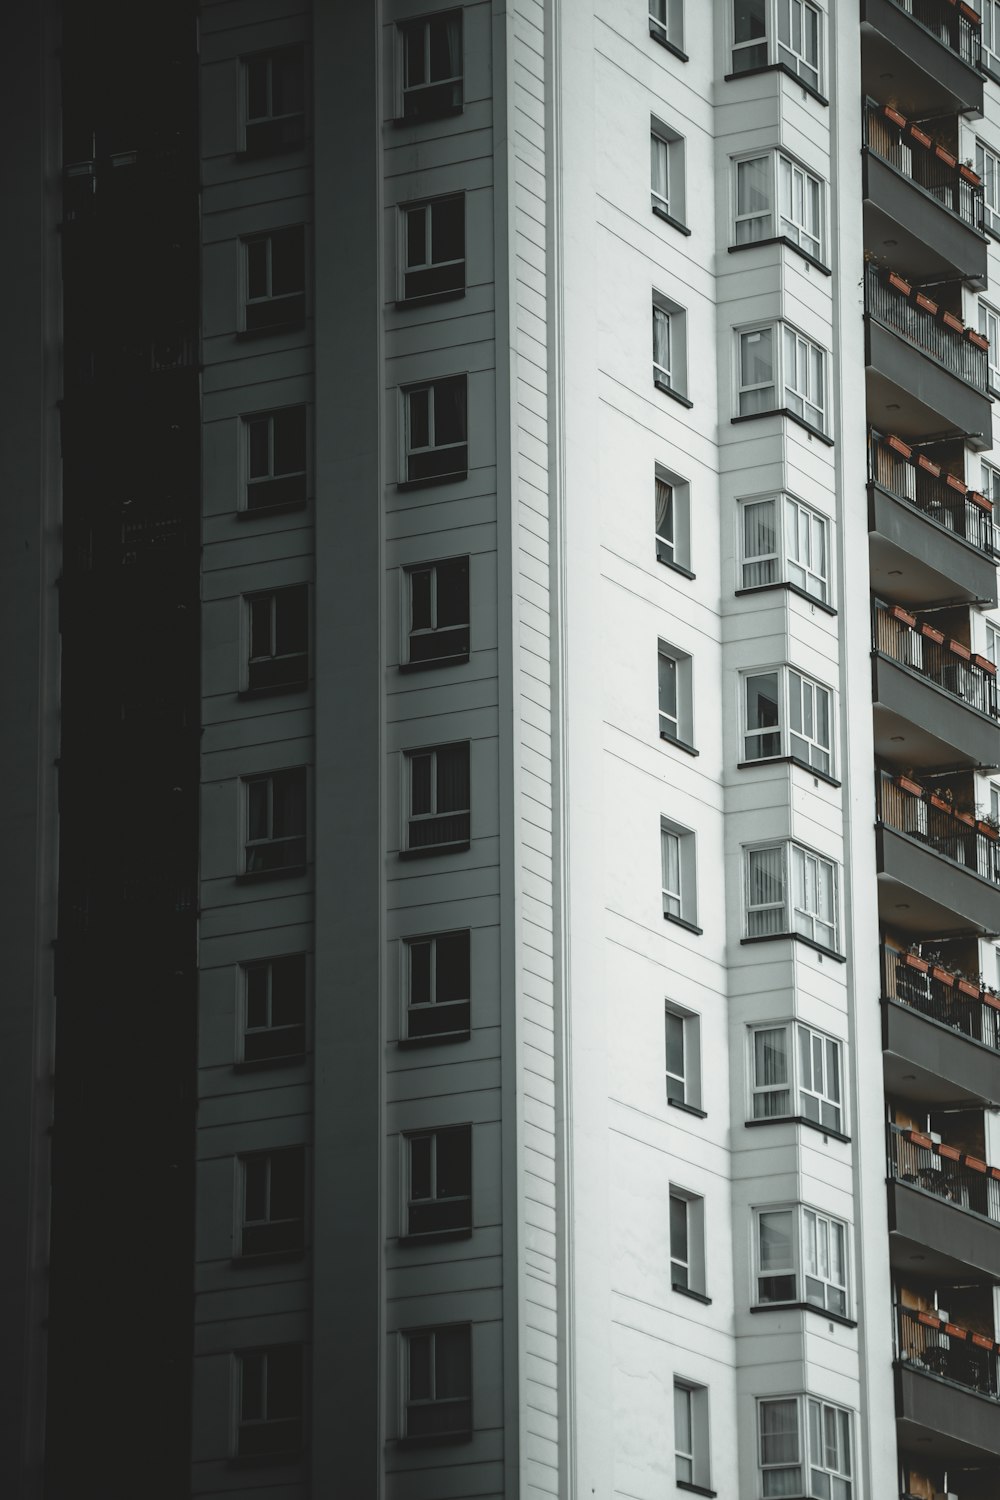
963, 353
962, 1180
911, 152
926, 651
928, 818
937, 993
947, 1350
956, 26
897, 468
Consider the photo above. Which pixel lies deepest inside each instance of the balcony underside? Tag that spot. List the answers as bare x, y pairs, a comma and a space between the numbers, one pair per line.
928, 1061
941, 1421
912, 232
901, 59
919, 724
931, 1237
912, 395
915, 558
925, 895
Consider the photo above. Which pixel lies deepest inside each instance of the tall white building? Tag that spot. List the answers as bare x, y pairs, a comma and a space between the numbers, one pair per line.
588, 1081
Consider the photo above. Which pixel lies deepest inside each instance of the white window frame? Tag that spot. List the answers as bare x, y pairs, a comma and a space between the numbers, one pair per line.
787, 181
682, 1035
826, 1464
409, 632
411, 1202
778, 42
811, 1268
459, 1009
992, 651
804, 1100
666, 150
271, 478
676, 726
672, 495
800, 903
411, 818
686, 1212
262, 1423
797, 696
669, 333
692, 1448
274, 1033
680, 904
989, 327
989, 11
267, 56
460, 447
794, 361
427, 207
666, 23
801, 553
988, 168
406, 1402
405, 90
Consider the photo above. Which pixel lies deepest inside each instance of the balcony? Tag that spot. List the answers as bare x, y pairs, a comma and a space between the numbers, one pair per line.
926, 372
931, 535
938, 868
944, 1208
935, 702
925, 51
921, 205
940, 1033
947, 1387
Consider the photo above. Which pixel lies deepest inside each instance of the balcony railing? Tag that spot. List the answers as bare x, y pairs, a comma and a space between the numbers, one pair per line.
914, 478
925, 650
902, 144
941, 995
923, 815
947, 1350
894, 303
956, 26
963, 1180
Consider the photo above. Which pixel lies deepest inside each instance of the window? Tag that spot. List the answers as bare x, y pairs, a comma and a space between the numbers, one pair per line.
438, 986
989, 10
775, 197
433, 248
439, 1181
276, 821
781, 370
988, 168
791, 890
989, 327
784, 541
691, 1456
666, 185
279, 638
274, 1008
677, 856
777, 33
801, 1257
993, 643
437, 613
805, 1067
666, 21
273, 1202
787, 714
269, 1401
431, 66
669, 353
673, 532
276, 458
687, 1241
439, 812
437, 1382
275, 279
683, 1056
674, 669
273, 101
784, 1452
436, 431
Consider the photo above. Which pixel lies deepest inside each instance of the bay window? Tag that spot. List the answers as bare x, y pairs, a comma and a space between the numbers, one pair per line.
796, 1073
784, 541
778, 34
791, 891
787, 715
779, 369
777, 198
805, 1448
801, 1256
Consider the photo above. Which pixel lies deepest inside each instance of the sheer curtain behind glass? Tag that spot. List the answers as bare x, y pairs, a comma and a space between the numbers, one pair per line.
753, 199
772, 1095
779, 1448
766, 893
756, 371
760, 544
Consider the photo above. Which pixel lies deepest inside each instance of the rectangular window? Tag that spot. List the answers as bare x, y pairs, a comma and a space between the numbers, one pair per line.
988, 168
439, 806
669, 352
269, 1402
796, 1432
677, 857
666, 178
279, 638
673, 532
274, 1008
438, 981
275, 280
437, 1382
436, 430
989, 10
784, 541
437, 613
276, 821
989, 327
781, 370
430, 51
433, 248
801, 1257
273, 101
788, 715
273, 1202
691, 1442
683, 1056
791, 890
776, 197
439, 1181
674, 672
804, 377
805, 1068
687, 1241
993, 643
770, 33
275, 458
666, 22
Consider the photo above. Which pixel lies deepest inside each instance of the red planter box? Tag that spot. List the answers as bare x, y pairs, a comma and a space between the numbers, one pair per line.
932, 634
958, 649
899, 446
929, 465
926, 304
900, 283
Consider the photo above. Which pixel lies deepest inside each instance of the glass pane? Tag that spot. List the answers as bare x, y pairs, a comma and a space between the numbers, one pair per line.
287, 1184
449, 411
454, 1162
416, 238
420, 973
287, 262
776, 1244
255, 1189
257, 434
667, 668
413, 55
286, 83
453, 779
288, 990
257, 68
419, 1387
251, 1387
678, 1229
418, 408
448, 230
762, 701
289, 804
757, 357
258, 801
661, 338
749, 20
664, 510
675, 1045
290, 440
658, 166
420, 599
444, 40
451, 1364
683, 1434
284, 1384
291, 621
256, 977
453, 979
260, 626
779, 1432
453, 592
771, 1057
257, 268
420, 784
753, 186
421, 1147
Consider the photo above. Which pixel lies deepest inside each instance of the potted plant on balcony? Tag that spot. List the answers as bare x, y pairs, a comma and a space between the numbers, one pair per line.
906, 781
942, 975
969, 987
942, 800
914, 961
989, 826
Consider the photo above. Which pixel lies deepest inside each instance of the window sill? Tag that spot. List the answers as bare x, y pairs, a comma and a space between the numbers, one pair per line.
402, 303
277, 690
766, 1307
783, 239
796, 937
681, 744
689, 1109
686, 1291
251, 512
414, 1043
458, 847
286, 872
837, 1135
793, 588
448, 113
683, 922
780, 67
668, 390
262, 1064
661, 213
423, 484
440, 661
434, 1236
788, 760
676, 566
793, 416
694, 1489
293, 325
266, 1258
661, 41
